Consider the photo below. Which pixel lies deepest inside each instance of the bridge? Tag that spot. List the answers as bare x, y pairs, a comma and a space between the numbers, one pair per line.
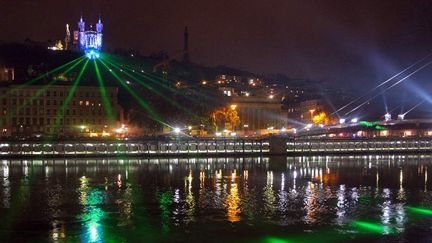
408, 136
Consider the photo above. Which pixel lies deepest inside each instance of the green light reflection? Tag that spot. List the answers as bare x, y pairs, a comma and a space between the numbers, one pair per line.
367, 227
423, 211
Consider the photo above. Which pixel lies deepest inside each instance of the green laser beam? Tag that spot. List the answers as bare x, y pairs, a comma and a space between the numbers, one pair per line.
202, 94
61, 111
153, 115
30, 82
106, 103
39, 92
172, 102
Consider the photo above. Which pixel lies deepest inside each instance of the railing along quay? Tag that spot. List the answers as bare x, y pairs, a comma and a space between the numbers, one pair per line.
360, 145
216, 147
138, 148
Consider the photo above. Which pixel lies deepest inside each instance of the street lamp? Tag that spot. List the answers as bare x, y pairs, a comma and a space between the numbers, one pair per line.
311, 113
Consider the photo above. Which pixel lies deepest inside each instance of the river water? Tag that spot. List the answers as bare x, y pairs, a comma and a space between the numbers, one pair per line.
259, 199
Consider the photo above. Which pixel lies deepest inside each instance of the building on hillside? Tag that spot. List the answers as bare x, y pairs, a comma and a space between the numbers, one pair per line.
305, 111
7, 74
258, 112
35, 110
227, 79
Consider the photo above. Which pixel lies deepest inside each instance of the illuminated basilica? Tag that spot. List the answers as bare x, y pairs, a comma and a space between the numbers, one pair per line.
90, 41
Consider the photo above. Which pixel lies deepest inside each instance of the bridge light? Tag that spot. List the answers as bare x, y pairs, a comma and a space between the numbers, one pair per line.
342, 121
354, 120
387, 117
294, 130
401, 116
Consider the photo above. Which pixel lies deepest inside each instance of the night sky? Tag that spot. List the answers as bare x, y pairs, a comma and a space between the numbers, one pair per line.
354, 42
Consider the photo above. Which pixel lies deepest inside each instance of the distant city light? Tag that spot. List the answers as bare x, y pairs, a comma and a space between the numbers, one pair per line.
354, 120
401, 116
218, 134
283, 129
342, 121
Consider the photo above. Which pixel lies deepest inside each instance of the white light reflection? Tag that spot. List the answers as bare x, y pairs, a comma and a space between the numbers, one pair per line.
6, 185
425, 179
340, 209
386, 211
282, 182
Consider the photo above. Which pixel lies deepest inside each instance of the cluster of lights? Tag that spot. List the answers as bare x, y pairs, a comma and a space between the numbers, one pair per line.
92, 54
122, 129
176, 130
387, 117
353, 120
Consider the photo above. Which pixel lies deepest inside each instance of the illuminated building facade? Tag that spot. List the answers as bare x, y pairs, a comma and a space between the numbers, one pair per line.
90, 41
7, 74
25, 114
304, 111
258, 113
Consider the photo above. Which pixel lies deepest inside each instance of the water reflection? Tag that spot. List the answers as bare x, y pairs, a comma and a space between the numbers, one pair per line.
94, 200
91, 199
233, 200
6, 185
